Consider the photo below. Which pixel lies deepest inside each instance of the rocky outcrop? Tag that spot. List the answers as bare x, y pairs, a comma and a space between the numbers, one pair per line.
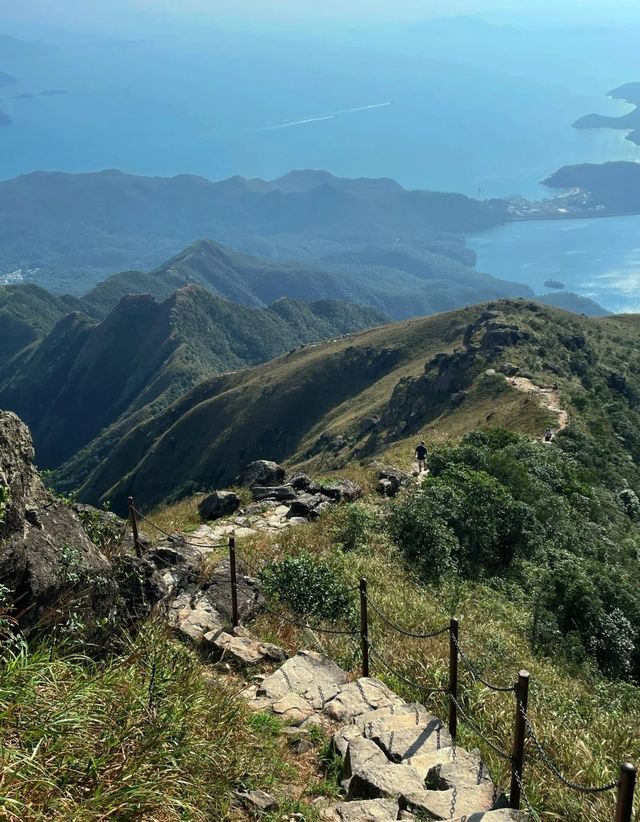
391, 480
261, 472
219, 504
45, 555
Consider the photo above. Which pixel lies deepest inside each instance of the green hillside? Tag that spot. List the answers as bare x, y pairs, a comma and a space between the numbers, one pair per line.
27, 313
84, 375
425, 375
401, 284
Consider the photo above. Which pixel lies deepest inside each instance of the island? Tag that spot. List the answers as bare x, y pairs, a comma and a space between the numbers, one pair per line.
629, 93
554, 284
26, 95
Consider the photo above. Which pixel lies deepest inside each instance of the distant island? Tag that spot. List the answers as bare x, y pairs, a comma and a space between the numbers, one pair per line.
629, 93
7, 79
554, 284
26, 95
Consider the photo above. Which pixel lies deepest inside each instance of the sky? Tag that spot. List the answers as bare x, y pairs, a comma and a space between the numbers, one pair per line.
120, 15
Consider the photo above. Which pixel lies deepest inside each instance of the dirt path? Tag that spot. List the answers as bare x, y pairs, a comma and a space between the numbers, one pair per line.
548, 397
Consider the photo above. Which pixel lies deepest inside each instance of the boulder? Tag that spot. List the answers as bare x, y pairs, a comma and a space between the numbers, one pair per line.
277, 492
46, 557
361, 752
340, 490
217, 590
400, 744
319, 510
458, 398
309, 674
219, 504
304, 504
502, 815
299, 482
393, 781
508, 369
243, 647
391, 480
371, 810
257, 801
358, 698
261, 472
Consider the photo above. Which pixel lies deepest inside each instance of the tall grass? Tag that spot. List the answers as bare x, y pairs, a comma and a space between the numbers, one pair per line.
142, 736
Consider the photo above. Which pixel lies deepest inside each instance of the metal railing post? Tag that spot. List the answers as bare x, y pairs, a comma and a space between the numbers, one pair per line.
626, 787
453, 678
134, 527
364, 627
519, 736
234, 582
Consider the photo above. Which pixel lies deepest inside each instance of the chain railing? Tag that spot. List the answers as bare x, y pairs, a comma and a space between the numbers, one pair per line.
523, 728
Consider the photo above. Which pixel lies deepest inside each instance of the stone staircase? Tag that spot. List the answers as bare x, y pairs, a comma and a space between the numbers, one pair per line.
399, 761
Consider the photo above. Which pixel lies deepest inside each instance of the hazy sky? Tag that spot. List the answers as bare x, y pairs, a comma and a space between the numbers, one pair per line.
122, 14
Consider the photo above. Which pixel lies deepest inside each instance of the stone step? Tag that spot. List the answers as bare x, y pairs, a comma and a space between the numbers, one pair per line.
503, 815
373, 810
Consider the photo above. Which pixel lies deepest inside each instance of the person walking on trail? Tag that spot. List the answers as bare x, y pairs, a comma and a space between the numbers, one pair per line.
548, 435
421, 456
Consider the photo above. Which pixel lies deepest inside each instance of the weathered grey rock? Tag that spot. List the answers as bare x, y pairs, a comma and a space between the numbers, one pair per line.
257, 801
309, 674
361, 752
319, 510
194, 615
438, 804
457, 398
304, 504
385, 487
219, 504
46, 557
243, 647
340, 490
299, 482
343, 736
391, 480
261, 472
218, 592
393, 781
467, 770
502, 815
397, 715
276, 492
372, 810
400, 744
292, 709
359, 697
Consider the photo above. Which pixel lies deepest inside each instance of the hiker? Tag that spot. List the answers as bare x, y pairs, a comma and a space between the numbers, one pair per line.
548, 435
421, 456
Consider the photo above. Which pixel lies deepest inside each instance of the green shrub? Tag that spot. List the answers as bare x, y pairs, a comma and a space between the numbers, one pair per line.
355, 524
4, 501
308, 587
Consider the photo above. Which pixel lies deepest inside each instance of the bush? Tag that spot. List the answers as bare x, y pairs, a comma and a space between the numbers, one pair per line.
308, 587
355, 525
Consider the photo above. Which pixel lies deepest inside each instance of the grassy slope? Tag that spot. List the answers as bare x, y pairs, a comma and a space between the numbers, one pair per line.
295, 407
84, 377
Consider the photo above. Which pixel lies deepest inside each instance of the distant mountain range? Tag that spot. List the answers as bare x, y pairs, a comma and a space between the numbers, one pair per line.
77, 229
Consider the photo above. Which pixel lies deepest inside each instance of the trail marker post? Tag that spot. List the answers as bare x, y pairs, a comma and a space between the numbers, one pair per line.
453, 678
234, 582
364, 627
626, 787
134, 527
519, 735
